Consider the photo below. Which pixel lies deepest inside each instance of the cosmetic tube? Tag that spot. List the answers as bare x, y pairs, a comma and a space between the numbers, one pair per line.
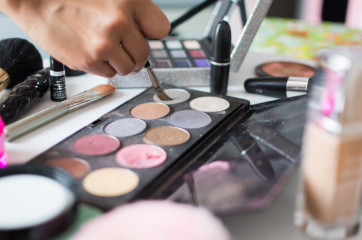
57, 81
329, 194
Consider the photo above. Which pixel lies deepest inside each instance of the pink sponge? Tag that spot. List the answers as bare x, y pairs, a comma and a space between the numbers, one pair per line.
154, 220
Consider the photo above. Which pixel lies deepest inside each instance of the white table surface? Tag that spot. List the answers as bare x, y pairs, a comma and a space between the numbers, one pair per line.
274, 223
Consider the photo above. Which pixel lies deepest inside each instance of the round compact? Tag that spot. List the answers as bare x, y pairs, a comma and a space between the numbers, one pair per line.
38, 202
284, 69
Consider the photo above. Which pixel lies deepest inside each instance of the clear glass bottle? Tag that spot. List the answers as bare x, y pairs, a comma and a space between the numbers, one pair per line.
329, 195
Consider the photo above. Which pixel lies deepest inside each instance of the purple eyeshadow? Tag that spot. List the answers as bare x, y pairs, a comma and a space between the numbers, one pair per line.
190, 119
183, 63
163, 63
202, 63
178, 53
197, 53
125, 127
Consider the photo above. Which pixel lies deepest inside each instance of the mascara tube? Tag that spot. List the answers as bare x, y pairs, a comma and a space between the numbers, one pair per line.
57, 81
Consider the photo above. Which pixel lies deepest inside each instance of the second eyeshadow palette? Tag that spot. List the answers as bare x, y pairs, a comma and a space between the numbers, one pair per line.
177, 61
134, 151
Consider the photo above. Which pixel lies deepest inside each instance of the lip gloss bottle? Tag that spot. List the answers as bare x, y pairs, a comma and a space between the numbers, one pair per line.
329, 195
3, 154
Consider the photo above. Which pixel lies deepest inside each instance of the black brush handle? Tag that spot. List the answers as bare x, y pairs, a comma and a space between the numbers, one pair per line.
24, 95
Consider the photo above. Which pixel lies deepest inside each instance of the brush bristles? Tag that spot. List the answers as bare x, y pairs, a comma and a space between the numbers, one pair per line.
105, 89
19, 58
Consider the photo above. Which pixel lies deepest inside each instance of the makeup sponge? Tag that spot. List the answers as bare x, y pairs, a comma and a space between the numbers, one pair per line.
154, 220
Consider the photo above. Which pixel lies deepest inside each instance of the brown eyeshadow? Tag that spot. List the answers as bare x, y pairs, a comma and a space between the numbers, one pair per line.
167, 136
285, 69
150, 111
74, 166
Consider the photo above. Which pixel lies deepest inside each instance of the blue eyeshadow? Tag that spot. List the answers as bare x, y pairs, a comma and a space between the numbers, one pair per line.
183, 63
202, 63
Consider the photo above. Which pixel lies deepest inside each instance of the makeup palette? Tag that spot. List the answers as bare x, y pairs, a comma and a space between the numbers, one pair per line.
136, 150
176, 61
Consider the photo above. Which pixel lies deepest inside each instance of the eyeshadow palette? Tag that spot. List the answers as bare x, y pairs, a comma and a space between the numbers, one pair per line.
177, 61
136, 150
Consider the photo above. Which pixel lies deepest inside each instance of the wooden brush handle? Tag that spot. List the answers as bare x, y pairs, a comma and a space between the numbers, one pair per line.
23, 96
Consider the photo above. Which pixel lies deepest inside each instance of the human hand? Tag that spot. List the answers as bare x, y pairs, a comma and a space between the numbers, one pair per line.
100, 37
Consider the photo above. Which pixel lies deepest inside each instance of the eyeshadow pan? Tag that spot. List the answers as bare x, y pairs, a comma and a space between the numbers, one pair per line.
167, 136
74, 166
191, 44
202, 62
141, 156
173, 44
190, 119
197, 53
150, 111
110, 182
178, 53
163, 63
97, 144
159, 53
209, 104
183, 63
155, 44
30, 199
125, 127
177, 95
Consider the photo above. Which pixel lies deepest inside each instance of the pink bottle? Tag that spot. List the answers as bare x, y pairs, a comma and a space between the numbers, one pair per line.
3, 154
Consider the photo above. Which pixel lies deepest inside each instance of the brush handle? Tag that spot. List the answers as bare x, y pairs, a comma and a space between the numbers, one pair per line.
34, 121
23, 96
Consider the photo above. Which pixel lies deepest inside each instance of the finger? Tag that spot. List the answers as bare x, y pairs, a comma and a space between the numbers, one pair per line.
103, 69
136, 45
120, 60
152, 21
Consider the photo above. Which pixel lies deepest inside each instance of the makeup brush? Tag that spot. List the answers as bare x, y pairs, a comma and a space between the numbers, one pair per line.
18, 59
156, 84
18, 100
58, 110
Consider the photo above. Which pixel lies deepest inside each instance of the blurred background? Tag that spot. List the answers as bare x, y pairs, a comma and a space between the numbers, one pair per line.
312, 11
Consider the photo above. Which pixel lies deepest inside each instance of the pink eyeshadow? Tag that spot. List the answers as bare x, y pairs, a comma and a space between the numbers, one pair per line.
141, 156
196, 53
95, 145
